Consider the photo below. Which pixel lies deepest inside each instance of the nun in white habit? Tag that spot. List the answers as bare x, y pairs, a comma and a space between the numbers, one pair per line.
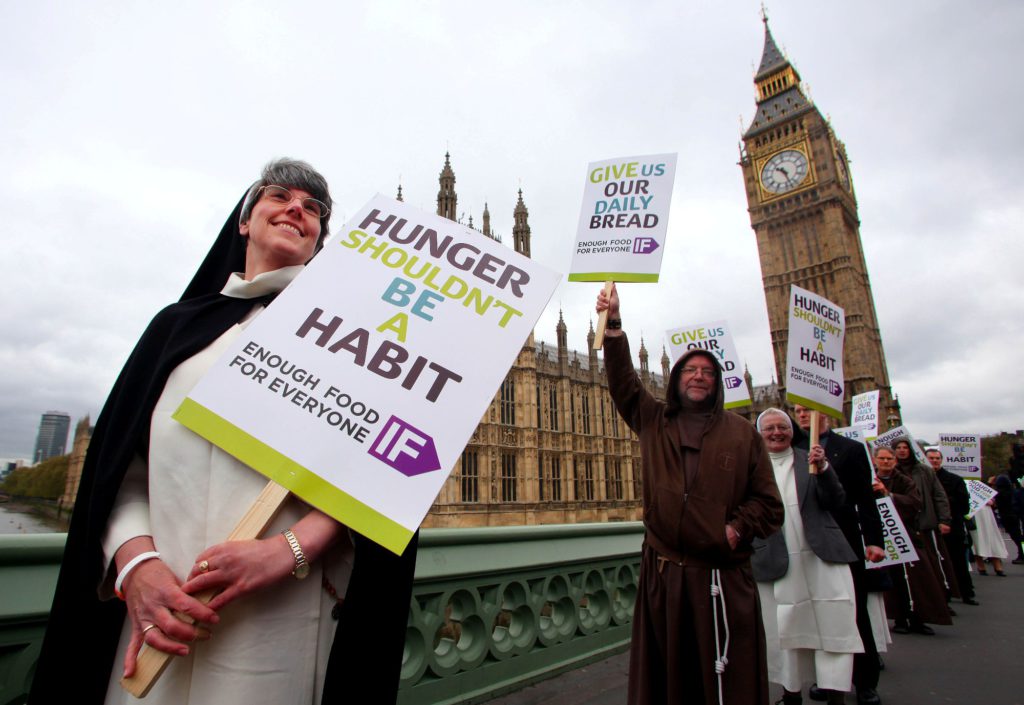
804, 580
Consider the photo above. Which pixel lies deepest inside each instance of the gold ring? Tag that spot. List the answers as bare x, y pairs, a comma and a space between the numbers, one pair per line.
146, 629
204, 566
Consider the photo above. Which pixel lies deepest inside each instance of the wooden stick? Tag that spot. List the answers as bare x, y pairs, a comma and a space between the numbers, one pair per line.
602, 319
815, 422
152, 662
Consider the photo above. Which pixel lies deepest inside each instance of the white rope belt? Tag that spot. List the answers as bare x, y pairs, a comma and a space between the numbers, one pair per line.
721, 650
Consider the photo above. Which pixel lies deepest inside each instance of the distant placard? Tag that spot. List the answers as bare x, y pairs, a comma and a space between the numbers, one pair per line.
715, 339
961, 453
980, 494
895, 540
359, 386
858, 433
814, 356
887, 438
865, 413
624, 219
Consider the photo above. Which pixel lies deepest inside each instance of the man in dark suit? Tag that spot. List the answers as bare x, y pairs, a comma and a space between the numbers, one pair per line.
858, 518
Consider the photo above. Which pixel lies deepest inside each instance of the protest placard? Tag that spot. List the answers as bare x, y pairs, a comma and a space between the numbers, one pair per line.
961, 453
865, 413
814, 356
624, 219
350, 390
716, 339
858, 433
887, 438
980, 494
895, 540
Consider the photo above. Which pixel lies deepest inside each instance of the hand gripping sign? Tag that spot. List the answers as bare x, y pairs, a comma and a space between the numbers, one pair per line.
358, 388
623, 222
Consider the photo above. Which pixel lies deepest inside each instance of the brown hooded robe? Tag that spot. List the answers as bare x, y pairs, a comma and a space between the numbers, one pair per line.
679, 629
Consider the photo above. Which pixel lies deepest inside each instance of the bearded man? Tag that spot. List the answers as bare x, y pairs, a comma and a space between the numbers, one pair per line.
708, 490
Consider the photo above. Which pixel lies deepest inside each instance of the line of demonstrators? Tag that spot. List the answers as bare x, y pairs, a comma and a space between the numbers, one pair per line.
754, 563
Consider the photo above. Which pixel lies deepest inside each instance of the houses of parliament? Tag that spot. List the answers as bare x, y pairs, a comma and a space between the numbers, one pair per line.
551, 448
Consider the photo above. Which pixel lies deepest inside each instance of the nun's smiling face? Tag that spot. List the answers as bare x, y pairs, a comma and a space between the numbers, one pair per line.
282, 231
777, 433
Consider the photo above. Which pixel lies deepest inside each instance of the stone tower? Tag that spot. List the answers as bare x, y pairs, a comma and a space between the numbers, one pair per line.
447, 200
521, 229
803, 210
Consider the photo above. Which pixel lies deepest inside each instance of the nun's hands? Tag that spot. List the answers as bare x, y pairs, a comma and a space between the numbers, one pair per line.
236, 568
153, 595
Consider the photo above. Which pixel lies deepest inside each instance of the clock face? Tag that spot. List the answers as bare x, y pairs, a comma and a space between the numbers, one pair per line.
784, 171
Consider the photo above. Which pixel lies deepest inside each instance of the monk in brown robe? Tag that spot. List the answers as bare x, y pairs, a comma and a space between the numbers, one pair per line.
917, 596
708, 490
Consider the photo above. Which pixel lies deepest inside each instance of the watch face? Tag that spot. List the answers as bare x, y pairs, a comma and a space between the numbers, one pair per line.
301, 571
784, 171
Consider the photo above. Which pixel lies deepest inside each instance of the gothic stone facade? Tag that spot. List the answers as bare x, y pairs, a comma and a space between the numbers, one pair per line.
551, 448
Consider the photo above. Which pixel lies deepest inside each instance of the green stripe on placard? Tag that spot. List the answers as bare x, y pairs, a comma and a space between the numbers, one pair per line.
818, 406
300, 481
613, 277
736, 404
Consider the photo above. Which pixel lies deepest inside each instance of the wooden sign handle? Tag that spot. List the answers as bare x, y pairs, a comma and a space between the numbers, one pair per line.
602, 319
151, 662
815, 423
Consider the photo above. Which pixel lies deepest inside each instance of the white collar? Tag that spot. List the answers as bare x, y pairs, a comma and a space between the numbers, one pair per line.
271, 282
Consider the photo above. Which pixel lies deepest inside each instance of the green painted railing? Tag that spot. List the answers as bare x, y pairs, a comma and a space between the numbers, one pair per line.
493, 609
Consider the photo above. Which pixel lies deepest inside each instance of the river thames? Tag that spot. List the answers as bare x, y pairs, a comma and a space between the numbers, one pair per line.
15, 519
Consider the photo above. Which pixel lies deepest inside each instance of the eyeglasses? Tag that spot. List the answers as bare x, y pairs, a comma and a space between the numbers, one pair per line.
778, 428
705, 372
283, 197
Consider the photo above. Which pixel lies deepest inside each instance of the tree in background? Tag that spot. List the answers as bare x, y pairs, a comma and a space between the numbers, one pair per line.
42, 481
997, 454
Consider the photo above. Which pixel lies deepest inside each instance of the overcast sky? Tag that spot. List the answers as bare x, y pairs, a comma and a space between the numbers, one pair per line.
129, 130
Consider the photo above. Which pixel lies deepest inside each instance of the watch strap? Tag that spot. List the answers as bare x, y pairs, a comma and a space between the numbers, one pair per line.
301, 569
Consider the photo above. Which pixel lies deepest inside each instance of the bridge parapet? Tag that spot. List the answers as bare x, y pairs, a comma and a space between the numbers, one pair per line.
493, 608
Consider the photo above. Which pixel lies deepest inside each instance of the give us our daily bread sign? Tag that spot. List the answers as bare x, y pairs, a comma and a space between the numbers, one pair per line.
624, 219
358, 388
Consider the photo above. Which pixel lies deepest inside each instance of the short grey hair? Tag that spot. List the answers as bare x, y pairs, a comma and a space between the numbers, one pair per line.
875, 450
776, 412
291, 173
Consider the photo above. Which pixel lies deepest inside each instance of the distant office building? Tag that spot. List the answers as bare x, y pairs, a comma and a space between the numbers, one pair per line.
53, 436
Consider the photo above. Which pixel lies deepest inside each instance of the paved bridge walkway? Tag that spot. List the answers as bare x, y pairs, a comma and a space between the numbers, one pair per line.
977, 661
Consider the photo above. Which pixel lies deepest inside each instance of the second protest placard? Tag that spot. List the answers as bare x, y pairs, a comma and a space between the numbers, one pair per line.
714, 338
814, 357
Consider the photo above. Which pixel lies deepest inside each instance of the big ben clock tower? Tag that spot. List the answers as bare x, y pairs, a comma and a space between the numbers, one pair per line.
803, 210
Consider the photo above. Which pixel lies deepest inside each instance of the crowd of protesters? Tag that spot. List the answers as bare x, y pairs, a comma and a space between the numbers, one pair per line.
792, 507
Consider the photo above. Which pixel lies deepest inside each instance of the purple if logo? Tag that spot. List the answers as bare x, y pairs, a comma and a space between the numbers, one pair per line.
835, 389
644, 245
405, 448
732, 382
